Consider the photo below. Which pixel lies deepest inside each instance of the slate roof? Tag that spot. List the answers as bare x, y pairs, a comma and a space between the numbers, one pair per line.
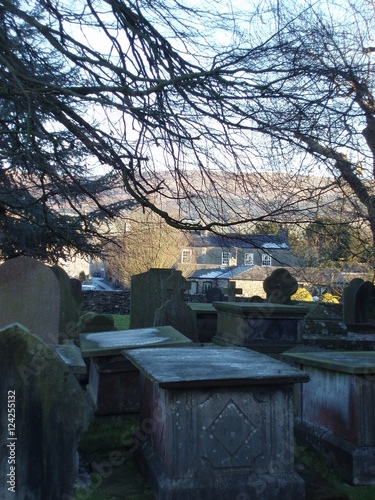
265, 241
217, 273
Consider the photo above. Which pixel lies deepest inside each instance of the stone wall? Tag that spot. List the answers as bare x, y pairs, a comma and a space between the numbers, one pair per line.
250, 288
107, 302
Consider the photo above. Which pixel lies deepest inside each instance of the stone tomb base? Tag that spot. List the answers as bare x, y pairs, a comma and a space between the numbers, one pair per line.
335, 411
113, 380
264, 327
216, 423
206, 316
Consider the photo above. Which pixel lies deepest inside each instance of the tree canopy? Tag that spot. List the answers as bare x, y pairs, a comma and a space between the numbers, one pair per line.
188, 109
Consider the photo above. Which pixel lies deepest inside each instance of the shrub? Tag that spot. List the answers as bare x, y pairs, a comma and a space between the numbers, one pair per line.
302, 294
328, 297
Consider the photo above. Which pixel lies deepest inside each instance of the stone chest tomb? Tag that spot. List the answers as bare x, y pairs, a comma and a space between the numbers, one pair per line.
216, 423
264, 327
335, 411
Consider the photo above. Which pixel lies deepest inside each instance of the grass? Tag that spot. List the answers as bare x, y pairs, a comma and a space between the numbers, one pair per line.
121, 321
333, 476
106, 456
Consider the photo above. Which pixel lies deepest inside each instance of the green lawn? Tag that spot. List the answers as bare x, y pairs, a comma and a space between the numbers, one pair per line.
121, 321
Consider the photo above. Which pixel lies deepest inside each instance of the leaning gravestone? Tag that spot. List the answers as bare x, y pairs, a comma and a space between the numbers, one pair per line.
175, 312
147, 294
280, 286
39, 297
43, 414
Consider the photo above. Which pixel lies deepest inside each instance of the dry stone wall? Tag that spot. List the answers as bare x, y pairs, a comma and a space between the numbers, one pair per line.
107, 302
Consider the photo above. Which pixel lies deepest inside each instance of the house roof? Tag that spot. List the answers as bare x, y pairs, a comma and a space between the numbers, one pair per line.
265, 241
217, 273
260, 273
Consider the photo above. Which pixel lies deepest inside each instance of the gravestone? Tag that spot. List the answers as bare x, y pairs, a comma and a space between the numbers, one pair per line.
232, 291
280, 286
349, 300
359, 305
335, 412
216, 423
45, 414
71, 304
175, 312
91, 322
39, 297
214, 294
147, 294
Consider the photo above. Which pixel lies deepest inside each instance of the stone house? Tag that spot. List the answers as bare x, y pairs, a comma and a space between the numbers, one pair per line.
209, 260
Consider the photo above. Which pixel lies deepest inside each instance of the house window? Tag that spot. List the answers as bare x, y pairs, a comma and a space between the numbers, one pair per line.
249, 259
207, 285
186, 256
193, 287
225, 258
266, 259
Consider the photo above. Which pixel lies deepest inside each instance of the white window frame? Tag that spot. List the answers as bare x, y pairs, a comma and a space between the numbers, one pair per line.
249, 256
225, 258
186, 256
193, 287
266, 260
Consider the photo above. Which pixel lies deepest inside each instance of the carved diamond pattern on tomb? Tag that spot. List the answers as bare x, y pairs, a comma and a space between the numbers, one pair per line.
232, 417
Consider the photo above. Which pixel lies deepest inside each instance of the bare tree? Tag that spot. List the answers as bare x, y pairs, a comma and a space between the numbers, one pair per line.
144, 241
188, 105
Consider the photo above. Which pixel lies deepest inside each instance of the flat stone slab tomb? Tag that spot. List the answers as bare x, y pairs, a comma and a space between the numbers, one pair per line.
71, 355
335, 411
113, 380
264, 327
216, 423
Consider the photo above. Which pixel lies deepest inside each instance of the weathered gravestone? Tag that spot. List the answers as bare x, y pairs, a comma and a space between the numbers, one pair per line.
349, 300
280, 286
214, 294
91, 322
39, 297
359, 305
43, 414
175, 312
147, 294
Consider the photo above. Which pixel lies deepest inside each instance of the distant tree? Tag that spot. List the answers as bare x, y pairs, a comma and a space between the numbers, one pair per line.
266, 228
330, 243
144, 241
